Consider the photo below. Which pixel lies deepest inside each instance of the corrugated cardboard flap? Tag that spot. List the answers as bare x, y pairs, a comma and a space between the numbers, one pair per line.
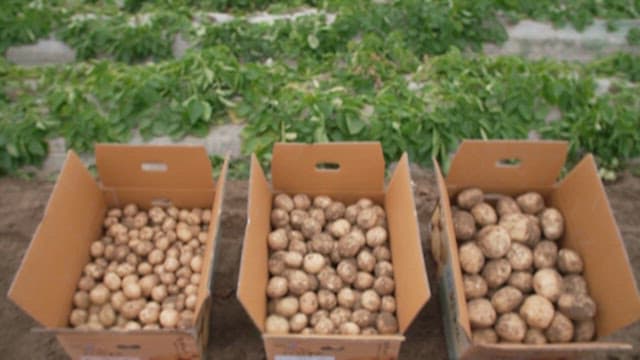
592, 231
356, 168
154, 166
547, 351
412, 283
512, 165
252, 280
44, 285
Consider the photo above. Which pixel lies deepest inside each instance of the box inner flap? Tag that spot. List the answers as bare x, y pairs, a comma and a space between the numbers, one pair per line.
591, 230
507, 165
252, 280
154, 166
50, 270
452, 251
412, 283
311, 168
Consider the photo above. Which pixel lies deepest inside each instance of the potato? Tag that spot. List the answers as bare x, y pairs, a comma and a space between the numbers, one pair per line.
340, 316
584, 330
350, 244
346, 297
308, 303
327, 299
560, 330
366, 261
569, 262
322, 201
520, 257
279, 219
537, 311
351, 213
552, 223
548, 283
481, 313
496, 272
471, 258
577, 306
574, 284
386, 323
317, 215
287, 306
297, 218
510, 327
339, 228
277, 287
310, 227
363, 318
518, 226
464, 225
469, 198
78, 317
530, 203
376, 236
322, 243
388, 304
294, 259
298, 322
298, 282
367, 218
506, 205
494, 241
301, 201
521, 280
484, 336
474, 286
534, 337
334, 211
369, 331
545, 254
383, 268
349, 328
313, 263
324, 326
370, 300
484, 214
278, 240
347, 270
506, 299
276, 325
283, 201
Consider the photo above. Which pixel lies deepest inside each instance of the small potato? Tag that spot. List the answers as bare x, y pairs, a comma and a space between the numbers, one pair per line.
569, 262
537, 311
518, 226
287, 306
293, 259
530, 203
384, 285
471, 258
560, 330
494, 241
349, 328
310, 227
367, 218
481, 313
464, 225
322, 243
363, 281
534, 337
346, 297
277, 287
298, 282
484, 214
370, 300
347, 270
474, 286
506, 299
468, 198
369, 331
322, 201
279, 218
351, 213
313, 263
276, 263
376, 236
317, 215
340, 316
297, 218
339, 228
278, 240
521, 280
545, 254
386, 323
383, 268
350, 244
506, 205
324, 326
511, 328
577, 306
78, 317
382, 253
276, 325
552, 223
308, 303
81, 299
496, 272
574, 284
484, 336
283, 201
388, 304
366, 261
315, 317
99, 294
584, 330
301, 201
298, 322
327, 300
334, 211
363, 318
520, 257
548, 283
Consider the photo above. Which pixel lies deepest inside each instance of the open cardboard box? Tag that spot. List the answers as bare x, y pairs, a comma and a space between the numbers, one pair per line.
144, 175
360, 173
590, 229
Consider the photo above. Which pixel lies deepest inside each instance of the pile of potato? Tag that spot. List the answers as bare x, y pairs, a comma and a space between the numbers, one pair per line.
519, 286
144, 272
330, 268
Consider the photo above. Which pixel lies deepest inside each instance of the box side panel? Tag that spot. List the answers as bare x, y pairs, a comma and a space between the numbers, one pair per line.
333, 347
44, 285
299, 168
146, 198
209, 253
490, 166
412, 283
591, 230
135, 345
252, 280
548, 351
154, 166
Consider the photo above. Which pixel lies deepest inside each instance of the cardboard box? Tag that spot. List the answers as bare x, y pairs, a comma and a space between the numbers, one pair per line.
146, 176
360, 173
590, 229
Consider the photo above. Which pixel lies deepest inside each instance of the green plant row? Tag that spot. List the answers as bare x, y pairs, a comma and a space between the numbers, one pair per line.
364, 93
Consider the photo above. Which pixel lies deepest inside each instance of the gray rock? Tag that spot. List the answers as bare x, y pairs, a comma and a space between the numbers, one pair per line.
44, 52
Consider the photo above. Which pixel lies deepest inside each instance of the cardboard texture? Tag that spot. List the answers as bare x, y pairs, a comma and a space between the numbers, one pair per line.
590, 229
45, 283
356, 170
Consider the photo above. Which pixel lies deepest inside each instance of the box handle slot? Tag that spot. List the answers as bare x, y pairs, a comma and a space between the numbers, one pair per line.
154, 167
327, 166
161, 202
128, 346
332, 348
512, 162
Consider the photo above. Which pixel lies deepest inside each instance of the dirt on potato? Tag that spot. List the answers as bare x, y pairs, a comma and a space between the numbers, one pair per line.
232, 334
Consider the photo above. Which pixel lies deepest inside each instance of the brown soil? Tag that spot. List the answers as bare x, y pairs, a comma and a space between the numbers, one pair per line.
233, 336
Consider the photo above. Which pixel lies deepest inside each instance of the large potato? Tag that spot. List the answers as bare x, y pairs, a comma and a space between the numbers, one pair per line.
530, 203
469, 198
570, 262
506, 205
464, 225
545, 254
474, 286
574, 284
577, 306
552, 223
496, 272
511, 328
520, 257
506, 299
484, 214
481, 313
471, 258
537, 311
494, 241
518, 226
560, 330
548, 283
